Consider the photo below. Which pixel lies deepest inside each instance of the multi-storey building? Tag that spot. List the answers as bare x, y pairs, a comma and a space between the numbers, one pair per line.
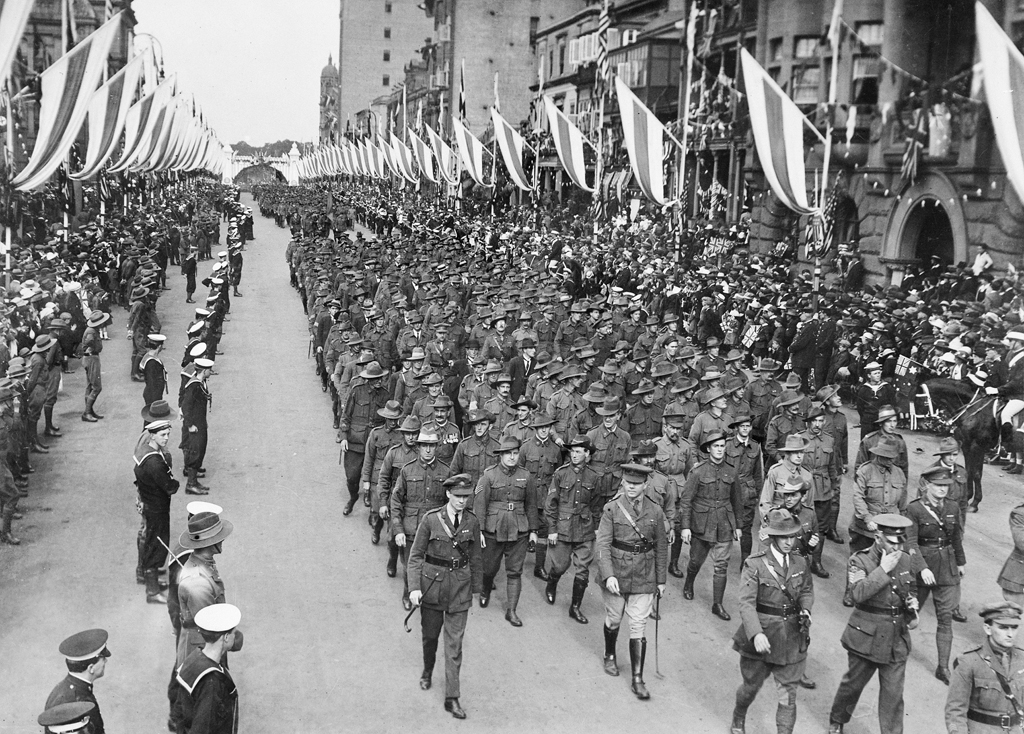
377, 38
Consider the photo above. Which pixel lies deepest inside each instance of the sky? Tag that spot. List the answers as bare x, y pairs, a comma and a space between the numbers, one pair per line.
254, 65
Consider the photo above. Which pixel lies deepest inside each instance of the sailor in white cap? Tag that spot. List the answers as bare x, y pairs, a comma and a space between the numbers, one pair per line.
153, 370
207, 700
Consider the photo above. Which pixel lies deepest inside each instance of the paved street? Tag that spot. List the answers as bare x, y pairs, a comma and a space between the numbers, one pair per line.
324, 645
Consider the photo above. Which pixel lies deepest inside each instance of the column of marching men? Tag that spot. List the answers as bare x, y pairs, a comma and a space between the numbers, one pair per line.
182, 572
485, 414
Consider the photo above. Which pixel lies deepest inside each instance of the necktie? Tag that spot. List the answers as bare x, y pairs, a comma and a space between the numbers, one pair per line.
636, 508
785, 565
457, 520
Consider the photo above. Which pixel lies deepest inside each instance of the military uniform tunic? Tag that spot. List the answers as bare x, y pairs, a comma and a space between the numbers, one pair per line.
975, 691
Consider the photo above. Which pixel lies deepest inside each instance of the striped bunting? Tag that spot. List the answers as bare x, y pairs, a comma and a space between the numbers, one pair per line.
13, 19
67, 89
446, 160
108, 111
150, 107
424, 157
778, 127
644, 135
568, 144
471, 151
1004, 93
511, 145
403, 157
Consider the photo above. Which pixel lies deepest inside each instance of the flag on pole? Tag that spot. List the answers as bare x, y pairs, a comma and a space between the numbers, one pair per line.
462, 92
778, 127
13, 19
568, 144
1003, 82
67, 88
835, 27
446, 160
511, 145
108, 111
603, 24
644, 135
913, 146
497, 103
471, 151
423, 156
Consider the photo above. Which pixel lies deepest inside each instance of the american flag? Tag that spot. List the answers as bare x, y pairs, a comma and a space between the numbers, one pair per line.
828, 216
603, 24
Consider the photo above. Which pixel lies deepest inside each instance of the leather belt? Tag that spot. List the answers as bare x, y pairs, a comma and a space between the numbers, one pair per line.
882, 611
785, 611
1004, 721
450, 563
640, 546
932, 543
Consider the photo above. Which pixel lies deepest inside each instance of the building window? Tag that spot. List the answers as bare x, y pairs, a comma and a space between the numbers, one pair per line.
387, 80
871, 34
805, 47
387, 7
775, 50
534, 26
561, 55
806, 82
387, 56
866, 71
387, 33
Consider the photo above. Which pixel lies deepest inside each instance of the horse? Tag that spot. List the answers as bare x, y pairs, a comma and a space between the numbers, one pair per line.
972, 418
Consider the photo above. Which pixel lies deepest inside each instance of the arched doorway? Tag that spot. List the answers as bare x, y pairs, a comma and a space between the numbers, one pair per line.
930, 232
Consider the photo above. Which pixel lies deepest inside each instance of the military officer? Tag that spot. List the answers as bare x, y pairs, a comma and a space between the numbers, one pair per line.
877, 637
68, 718
572, 503
986, 692
632, 559
445, 571
709, 507
776, 596
935, 545
506, 500
85, 655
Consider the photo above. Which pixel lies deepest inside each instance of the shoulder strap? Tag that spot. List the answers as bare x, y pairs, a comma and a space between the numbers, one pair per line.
630, 520
1005, 685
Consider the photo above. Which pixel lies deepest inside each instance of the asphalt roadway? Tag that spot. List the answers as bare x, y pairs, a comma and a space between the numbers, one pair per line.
324, 646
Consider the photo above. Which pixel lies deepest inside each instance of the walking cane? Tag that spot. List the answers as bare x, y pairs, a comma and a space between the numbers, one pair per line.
657, 623
415, 607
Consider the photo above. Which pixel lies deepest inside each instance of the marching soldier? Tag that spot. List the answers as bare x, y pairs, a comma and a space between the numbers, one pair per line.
418, 488
540, 455
571, 505
709, 507
822, 461
445, 572
1011, 576
506, 499
877, 637
632, 558
396, 457
378, 443
986, 692
935, 545
743, 454
776, 596
788, 422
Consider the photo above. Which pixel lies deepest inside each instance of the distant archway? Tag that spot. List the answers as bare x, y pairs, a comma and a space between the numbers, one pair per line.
927, 219
260, 173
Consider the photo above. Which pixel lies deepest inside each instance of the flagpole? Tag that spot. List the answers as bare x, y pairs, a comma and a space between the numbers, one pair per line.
9, 144
834, 32
599, 161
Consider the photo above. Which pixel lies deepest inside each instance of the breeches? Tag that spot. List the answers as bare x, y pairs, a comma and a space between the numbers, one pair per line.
1010, 410
890, 692
580, 555
720, 554
637, 607
513, 551
756, 671
93, 377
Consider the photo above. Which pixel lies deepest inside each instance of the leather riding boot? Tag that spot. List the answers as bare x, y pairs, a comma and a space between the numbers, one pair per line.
691, 576
92, 411
785, 718
51, 430
192, 486
5, 529
944, 643
540, 557
579, 588
718, 594
636, 662
739, 721
514, 589
611, 667
87, 415
485, 596
551, 590
153, 593
673, 565
392, 567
